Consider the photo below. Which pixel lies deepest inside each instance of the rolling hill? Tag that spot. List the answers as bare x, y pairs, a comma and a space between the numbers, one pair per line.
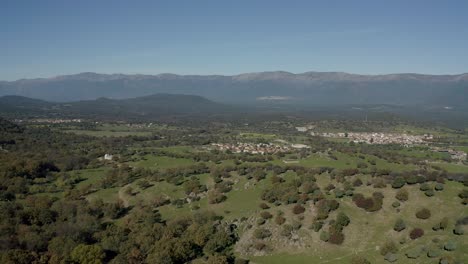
141, 107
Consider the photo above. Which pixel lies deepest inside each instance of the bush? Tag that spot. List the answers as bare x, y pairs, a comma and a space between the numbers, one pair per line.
450, 245
396, 204
399, 225
241, 261
359, 260
357, 182
324, 236
429, 193
398, 182
439, 187
298, 209
433, 253
416, 233
458, 230
264, 206
317, 225
391, 257
259, 246
215, 196
424, 187
260, 221
266, 215
339, 193
402, 195
388, 247
423, 213
262, 233
342, 219
286, 230
336, 238
279, 220
414, 253
443, 224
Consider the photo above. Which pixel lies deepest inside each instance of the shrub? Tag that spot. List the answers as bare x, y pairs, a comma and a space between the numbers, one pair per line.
214, 197
391, 257
342, 219
317, 225
336, 238
359, 260
446, 260
262, 233
424, 187
260, 221
429, 193
433, 253
399, 225
298, 209
402, 195
450, 245
398, 182
279, 219
439, 187
396, 204
414, 253
416, 233
388, 247
286, 231
423, 213
339, 193
443, 224
264, 206
266, 215
259, 246
458, 230
324, 236
357, 182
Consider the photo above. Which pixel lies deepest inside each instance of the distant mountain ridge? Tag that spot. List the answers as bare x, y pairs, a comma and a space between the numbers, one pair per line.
304, 88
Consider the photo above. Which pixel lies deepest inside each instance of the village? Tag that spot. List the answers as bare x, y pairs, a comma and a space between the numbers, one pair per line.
252, 148
380, 138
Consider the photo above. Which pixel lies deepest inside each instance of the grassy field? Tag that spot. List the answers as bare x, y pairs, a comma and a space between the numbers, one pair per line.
367, 232
161, 162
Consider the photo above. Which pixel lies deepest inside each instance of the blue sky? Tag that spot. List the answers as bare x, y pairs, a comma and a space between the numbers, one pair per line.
48, 38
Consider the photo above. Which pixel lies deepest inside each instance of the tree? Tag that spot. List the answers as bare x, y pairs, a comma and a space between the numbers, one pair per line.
87, 254
399, 225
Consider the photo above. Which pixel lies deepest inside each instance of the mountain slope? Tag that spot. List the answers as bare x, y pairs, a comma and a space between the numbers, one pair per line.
142, 107
305, 88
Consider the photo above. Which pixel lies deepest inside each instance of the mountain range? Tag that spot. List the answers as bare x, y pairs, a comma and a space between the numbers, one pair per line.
309, 88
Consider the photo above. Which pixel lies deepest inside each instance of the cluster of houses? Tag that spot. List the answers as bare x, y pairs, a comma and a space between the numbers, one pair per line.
49, 120
454, 154
380, 138
252, 148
